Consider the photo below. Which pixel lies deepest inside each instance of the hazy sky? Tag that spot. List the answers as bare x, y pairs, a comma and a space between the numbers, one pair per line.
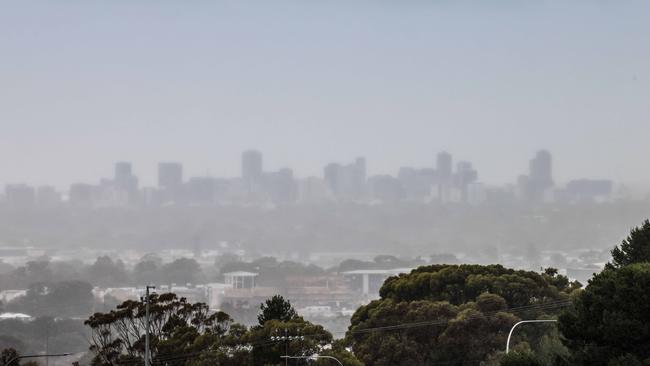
86, 83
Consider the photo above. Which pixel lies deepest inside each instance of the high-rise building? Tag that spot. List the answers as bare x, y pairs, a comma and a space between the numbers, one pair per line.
465, 175
125, 182
540, 179
122, 171
82, 194
251, 166
47, 196
444, 174
331, 176
347, 182
170, 175
444, 167
537, 185
541, 170
281, 186
417, 183
386, 188
20, 195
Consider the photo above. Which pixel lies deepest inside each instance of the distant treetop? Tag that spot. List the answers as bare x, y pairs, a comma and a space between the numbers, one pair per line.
634, 249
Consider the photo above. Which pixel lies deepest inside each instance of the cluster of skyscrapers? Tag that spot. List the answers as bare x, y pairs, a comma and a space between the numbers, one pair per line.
443, 183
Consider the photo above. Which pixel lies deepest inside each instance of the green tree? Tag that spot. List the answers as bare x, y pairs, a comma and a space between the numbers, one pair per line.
105, 272
182, 271
452, 313
610, 319
520, 359
276, 308
146, 272
177, 328
338, 351
634, 249
294, 337
7, 355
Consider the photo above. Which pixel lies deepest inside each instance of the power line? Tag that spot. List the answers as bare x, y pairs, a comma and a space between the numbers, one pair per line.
546, 306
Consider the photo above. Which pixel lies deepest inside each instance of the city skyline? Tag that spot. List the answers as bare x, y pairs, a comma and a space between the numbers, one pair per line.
148, 175
449, 181
89, 84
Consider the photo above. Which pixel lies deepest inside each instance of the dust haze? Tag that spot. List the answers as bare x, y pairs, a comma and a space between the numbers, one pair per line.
313, 149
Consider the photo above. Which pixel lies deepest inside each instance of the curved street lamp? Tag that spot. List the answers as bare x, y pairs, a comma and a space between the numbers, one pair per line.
524, 322
312, 358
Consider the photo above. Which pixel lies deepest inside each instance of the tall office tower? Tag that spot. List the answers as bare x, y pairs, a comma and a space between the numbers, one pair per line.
443, 167
417, 183
541, 169
82, 194
281, 186
331, 174
125, 181
20, 196
444, 174
465, 175
251, 166
360, 170
170, 175
122, 171
47, 196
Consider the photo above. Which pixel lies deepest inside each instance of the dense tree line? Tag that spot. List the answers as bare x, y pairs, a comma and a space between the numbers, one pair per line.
609, 323
188, 333
457, 314
437, 314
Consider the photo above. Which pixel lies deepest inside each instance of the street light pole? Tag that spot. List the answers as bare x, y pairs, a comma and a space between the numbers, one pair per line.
525, 322
8, 363
147, 351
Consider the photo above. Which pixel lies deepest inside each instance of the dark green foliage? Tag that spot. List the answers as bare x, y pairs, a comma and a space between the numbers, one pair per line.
268, 353
106, 272
634, 249
464, 314
189, 334
177, 327
611, 317
9, 355
276, 308
182, 271
459, 284
520, 359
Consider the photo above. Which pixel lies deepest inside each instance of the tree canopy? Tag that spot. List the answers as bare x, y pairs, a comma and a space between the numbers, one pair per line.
634, 249
452, 313
609, 323
177, 327
184, 332
276, 308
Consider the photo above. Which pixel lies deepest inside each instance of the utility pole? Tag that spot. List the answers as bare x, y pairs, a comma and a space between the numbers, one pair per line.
147, 351
286, 338
47, 341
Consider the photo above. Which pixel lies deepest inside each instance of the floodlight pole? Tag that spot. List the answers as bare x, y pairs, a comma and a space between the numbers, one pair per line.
525, 322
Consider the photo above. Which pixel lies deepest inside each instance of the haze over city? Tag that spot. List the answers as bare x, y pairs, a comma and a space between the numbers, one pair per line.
85, 85
380, 183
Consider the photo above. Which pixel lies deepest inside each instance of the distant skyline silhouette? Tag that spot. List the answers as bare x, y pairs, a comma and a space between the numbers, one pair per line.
83, 85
